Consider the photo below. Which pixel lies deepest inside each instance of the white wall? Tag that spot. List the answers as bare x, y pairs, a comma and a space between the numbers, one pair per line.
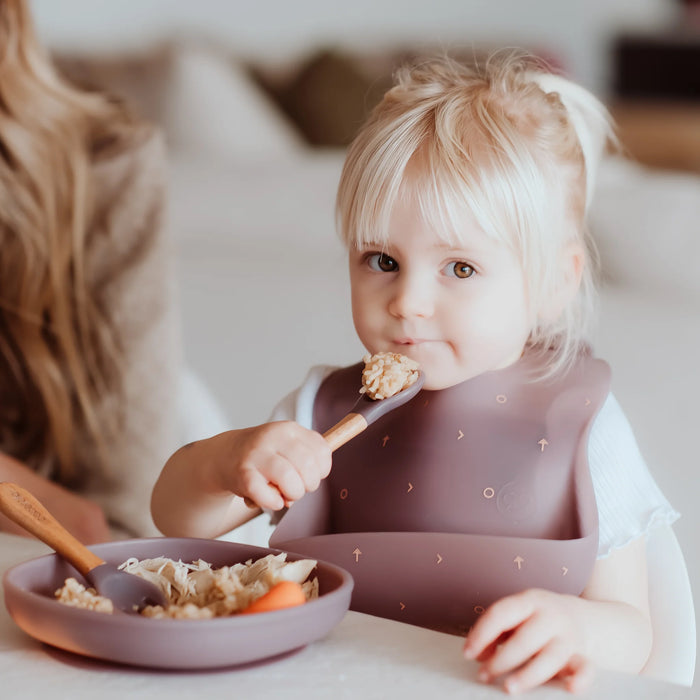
578, 30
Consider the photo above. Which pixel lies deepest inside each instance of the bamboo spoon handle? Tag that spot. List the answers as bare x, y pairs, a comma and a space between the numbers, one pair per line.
346, 429
20, 506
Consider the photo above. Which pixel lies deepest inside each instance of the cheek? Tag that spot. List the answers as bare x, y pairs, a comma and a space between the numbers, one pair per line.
364, 308
502, 317
514, 301
357, 298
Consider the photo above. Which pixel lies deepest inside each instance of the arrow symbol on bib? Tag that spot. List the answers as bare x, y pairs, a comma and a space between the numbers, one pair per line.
565, 571
403, 607
461, 435
542, 443
357, 553
385, 439
439, 559
519, 561
410, 487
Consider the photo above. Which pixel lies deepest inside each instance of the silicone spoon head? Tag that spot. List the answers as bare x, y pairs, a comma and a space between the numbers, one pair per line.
127, 592
372, 409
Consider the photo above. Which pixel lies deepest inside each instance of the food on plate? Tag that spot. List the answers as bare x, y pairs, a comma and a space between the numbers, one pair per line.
387, 373
75, 594
285, 594
196, 591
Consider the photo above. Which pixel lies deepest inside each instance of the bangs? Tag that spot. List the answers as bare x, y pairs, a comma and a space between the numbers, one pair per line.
451, 169
446, 194
371, 183
480, 161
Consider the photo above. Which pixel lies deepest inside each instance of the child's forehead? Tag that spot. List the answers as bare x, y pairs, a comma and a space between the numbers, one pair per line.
410, 230
453, 198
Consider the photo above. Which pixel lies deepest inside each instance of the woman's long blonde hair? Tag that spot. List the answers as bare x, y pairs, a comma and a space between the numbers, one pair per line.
58, 355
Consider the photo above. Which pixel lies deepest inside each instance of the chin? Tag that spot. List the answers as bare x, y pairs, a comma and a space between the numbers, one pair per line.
437, 382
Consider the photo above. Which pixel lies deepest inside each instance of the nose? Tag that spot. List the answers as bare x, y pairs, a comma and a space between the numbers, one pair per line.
412, 297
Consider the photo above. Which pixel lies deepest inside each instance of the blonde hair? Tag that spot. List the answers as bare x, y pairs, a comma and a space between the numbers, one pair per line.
58, 353
511, 142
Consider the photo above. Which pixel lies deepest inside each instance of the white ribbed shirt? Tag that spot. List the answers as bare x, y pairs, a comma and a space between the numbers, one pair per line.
630, 503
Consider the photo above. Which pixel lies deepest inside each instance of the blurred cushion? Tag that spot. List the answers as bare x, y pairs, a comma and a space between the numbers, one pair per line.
204, 99
214, 107
330, 97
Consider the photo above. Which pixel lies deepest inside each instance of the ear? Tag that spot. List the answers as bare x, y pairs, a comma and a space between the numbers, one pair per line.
572, 260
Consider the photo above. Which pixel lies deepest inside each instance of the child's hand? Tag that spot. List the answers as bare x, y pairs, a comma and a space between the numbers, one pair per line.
530, 638
274, 464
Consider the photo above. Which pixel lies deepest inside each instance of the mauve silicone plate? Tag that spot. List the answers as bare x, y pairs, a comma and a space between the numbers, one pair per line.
171, 644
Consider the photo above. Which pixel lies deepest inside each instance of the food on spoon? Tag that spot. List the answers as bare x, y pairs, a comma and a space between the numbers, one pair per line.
387, 373
197, 591
285, 594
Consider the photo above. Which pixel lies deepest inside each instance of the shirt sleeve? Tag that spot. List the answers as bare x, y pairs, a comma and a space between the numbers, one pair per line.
298, 405
630, 504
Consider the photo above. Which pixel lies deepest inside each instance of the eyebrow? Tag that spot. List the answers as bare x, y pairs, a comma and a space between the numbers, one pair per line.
363, 245
467, 251
440, 245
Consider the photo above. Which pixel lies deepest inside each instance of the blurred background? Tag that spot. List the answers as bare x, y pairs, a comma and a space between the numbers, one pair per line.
323, 64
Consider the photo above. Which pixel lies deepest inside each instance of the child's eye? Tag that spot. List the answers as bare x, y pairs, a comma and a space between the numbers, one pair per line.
381, 262
460, 269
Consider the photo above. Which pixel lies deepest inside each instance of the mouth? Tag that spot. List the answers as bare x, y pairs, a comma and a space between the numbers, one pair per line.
411, 341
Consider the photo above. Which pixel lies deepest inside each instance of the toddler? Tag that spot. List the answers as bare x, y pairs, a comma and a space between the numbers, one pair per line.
497, 502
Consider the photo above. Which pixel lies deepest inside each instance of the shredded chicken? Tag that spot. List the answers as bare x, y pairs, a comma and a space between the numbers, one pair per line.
387, 373
197, 591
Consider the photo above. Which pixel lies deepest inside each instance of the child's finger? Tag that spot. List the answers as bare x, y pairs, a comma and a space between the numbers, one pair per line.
524, 643
489, 651
578, 675
282, 474
259, 491
252, 504
310, 459
540, 669
502, 617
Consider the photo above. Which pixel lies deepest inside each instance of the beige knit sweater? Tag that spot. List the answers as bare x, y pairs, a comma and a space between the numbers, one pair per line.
131, 268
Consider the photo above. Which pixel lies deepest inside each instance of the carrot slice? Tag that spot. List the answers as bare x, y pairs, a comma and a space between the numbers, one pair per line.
285, 594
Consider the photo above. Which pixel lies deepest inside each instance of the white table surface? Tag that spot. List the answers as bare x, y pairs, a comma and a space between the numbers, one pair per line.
363, 657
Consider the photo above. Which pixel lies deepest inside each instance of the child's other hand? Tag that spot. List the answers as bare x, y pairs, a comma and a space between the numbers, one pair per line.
275, 464
529, 638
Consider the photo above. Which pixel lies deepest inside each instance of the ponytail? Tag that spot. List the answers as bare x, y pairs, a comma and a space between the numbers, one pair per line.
590, 119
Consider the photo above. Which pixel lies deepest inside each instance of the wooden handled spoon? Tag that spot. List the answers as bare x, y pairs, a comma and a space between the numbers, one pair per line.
127, 591
365, 412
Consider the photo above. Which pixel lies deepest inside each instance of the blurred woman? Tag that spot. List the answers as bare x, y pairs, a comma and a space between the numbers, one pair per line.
89, 343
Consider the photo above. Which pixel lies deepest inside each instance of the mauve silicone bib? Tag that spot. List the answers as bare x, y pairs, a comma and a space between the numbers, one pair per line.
460, 496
